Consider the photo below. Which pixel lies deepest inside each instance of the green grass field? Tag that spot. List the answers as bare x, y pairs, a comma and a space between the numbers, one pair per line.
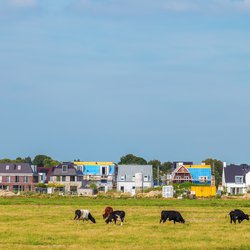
47, 223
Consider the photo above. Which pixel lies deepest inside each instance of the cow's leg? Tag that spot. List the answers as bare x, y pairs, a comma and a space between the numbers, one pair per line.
122, 221
239, 220
174, 221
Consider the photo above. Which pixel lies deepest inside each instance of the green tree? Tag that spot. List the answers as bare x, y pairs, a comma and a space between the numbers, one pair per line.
155, 164
217, 168
44, 160
28, 160
48, 162
5, 160
166, 167
132, 159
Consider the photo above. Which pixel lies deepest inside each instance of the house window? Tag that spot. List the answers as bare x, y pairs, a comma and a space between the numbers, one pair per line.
79, 178
186, 178
238, 179
19, 167
133, 178
63, 178
73, 189
72, 178
178, 178
122, 178
122, 188
25, 179
1, 178
202, 178
7, 178
104, 171
58, 178
145, 178
16, 178
7, 167
65, 168
79, 168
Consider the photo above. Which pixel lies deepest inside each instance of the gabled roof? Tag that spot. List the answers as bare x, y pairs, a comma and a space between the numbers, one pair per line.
177, 170
131, 170
232, 170
18, 168
70, 171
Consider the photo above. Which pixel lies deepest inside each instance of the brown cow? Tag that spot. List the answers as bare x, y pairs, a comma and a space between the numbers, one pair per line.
107, 212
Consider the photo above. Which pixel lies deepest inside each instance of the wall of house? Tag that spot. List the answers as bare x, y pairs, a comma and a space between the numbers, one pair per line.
67, 183
233, 188
129, 186
21, 185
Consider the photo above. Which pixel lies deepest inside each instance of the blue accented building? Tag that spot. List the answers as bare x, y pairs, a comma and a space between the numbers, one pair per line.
103, 174
198, 174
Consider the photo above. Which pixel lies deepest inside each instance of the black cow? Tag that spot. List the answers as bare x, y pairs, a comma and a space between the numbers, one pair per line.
239, 215
113, 216
82, 214
171, 215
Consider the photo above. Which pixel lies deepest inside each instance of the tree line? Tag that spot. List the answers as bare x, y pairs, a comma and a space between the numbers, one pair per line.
163, 168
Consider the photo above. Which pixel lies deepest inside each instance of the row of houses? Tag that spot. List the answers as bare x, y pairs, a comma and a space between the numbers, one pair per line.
77, 177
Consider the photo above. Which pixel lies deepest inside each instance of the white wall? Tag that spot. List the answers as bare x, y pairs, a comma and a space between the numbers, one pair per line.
128, 186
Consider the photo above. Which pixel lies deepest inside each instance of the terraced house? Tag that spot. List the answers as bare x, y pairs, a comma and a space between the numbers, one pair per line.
18, 177
68, 175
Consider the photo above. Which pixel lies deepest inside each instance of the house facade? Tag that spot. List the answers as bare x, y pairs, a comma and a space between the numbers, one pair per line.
132, 178
198, 174
102, 174
18, 177
68, 176
236, 178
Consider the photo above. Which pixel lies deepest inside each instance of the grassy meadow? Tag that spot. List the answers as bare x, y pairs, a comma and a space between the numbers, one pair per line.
47, 223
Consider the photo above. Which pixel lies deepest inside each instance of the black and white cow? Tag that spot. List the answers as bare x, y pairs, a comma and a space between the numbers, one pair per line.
82, 214
239, 215
171, 215
116, 215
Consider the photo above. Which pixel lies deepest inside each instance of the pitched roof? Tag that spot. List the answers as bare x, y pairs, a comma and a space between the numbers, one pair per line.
131, 170
70, 171
19, 168
235, 170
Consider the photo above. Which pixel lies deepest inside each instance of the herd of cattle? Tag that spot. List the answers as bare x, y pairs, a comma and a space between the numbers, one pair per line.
112, 216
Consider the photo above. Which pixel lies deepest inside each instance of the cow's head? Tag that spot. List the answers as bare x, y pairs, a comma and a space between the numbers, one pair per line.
93, 220
247, 217
105, 216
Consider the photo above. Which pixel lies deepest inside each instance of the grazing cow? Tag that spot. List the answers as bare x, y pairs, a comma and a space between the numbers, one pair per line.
239, 215
82, 214
107, 212
171, 215
116, 215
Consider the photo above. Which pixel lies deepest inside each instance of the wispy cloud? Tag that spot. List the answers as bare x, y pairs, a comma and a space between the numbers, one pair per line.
152, 6
22, 3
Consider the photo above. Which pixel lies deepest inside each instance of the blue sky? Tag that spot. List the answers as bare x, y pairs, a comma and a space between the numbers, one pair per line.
97, 79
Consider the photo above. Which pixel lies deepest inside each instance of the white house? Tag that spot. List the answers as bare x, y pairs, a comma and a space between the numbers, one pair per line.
236, 178
132, 178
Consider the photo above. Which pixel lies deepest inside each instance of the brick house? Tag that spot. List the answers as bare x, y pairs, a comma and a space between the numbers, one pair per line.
18, 177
